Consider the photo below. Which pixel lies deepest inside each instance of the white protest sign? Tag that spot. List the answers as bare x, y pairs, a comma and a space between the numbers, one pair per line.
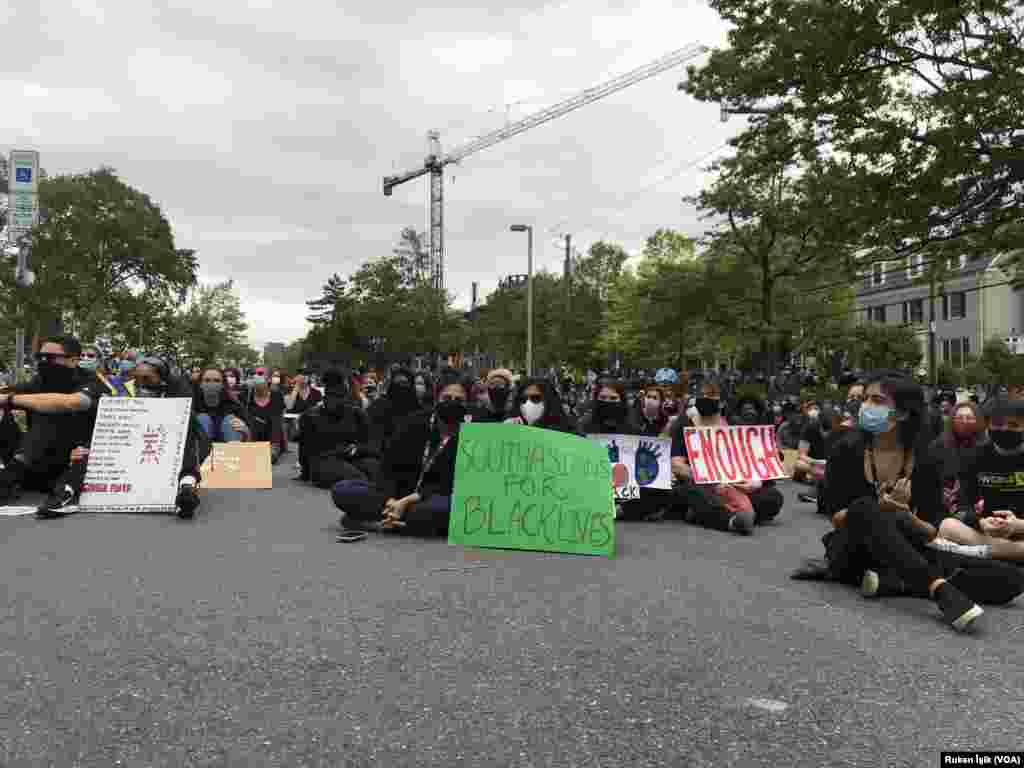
136, 454
733, 454
23, 189
637, 462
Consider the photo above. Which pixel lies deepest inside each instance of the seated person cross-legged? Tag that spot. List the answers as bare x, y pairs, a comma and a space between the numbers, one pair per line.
220, 415
61, 405
334, 436
994, 475
413, 493
736, 507
884, 491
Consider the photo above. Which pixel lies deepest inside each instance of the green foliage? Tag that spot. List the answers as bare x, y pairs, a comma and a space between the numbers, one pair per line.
876, 345
917, 105
995, 365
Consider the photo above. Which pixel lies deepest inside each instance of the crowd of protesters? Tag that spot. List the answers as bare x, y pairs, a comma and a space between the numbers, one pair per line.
925, 497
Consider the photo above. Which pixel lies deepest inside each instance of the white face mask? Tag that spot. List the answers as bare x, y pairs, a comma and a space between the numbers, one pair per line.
421, 389
692, 413
532, 412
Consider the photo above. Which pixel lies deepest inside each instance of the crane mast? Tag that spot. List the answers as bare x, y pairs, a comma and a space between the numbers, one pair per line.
435, 162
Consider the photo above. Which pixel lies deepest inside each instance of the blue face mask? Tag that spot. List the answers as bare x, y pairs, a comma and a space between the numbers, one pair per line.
89, 365
874, 418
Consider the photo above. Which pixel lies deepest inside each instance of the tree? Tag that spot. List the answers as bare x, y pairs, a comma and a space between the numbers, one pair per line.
97, 238
771, 230
212, 329
876, 345
918, 104
996, 365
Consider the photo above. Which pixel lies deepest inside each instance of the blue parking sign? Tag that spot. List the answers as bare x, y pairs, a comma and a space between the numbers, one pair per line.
23, 175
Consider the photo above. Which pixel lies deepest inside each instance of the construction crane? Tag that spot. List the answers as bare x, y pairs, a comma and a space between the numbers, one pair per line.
435, 162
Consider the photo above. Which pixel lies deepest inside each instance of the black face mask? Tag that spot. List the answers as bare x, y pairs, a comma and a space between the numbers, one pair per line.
707, 406
609, 412
748, 416
671, 408
1007, 440
56, 378
498, 396
212, 394
451, 411
334, 403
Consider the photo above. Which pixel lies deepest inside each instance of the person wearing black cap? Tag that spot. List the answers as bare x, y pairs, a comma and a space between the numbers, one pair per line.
387, 413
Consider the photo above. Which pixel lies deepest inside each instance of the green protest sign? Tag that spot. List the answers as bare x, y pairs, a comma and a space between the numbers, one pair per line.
520, 487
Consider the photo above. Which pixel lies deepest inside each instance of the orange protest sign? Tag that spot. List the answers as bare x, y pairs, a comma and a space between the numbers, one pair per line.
733, 454
238, 465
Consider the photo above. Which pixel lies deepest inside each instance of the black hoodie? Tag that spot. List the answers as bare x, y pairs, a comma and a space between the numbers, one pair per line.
387, 413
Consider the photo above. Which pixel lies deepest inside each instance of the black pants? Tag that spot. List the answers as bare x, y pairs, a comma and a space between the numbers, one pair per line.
365, 502
883, 541
328, 470
44, 478
706, 508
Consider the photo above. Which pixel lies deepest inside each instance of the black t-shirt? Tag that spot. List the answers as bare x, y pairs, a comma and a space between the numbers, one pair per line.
51, 436
266, 418
813, 435
999, 480
303, 404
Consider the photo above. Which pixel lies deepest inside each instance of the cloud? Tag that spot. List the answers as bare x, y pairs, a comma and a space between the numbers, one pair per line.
263, 128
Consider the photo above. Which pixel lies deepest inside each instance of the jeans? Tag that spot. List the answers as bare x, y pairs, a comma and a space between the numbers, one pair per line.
362, 501
221, 432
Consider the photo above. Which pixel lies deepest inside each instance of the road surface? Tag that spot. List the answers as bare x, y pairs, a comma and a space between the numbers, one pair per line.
250, 637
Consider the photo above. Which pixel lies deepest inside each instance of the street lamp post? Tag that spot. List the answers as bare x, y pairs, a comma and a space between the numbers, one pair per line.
529, 293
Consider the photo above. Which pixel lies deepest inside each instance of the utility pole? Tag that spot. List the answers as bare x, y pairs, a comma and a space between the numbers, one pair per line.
931, 328
23, 214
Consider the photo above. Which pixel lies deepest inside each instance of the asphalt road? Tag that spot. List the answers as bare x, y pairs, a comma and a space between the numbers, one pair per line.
249, 637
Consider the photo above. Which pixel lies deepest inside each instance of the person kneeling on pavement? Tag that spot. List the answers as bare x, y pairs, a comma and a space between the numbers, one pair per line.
413, 493
334, 437
61, 404
153, 379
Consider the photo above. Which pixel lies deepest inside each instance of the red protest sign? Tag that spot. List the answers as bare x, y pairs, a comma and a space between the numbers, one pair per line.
733, 454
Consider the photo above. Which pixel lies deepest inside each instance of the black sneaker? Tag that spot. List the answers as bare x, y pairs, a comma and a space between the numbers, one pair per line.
807, 498
59, 504
882, 584
349, 523
9, 493
957, 608
187, 502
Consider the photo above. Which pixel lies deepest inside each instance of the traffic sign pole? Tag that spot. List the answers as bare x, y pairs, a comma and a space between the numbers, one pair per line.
23, 206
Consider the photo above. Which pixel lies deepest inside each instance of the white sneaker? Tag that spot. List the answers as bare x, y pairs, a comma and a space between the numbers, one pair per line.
983, 551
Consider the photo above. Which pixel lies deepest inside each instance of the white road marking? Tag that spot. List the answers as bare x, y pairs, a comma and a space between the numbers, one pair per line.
770, 705
17, 511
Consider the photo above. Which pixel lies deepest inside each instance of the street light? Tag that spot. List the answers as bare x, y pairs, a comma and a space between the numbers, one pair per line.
529, 293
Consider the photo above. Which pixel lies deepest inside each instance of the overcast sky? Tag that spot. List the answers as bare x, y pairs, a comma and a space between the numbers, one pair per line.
263, 127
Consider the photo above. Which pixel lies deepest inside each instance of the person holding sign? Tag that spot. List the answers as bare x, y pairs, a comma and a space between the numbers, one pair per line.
724, 506
220, 415
413, 493
62, 401
153, 379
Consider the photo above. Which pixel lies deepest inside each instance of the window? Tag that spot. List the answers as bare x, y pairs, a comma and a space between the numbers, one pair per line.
915, 266
957, 305
878, 273
916, 310
877, 314
956, 351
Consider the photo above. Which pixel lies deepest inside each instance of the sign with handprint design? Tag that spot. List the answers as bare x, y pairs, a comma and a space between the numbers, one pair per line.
637, 462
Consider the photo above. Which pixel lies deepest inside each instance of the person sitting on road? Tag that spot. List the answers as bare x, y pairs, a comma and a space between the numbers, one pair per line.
885, 498
650, 414
992, 481
735, 507
538, 405
609, 413
811, 445
61, 402
220, 415
413, 492
387, 413
266, 416
334, 437
499, 391
302, 397
954, 449
843, 420
153, 379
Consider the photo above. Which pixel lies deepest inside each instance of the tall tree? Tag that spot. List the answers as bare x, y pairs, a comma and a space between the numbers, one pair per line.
919, 103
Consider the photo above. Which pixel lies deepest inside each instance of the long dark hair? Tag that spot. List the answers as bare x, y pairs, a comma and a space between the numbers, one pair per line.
554, 415
908, 399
